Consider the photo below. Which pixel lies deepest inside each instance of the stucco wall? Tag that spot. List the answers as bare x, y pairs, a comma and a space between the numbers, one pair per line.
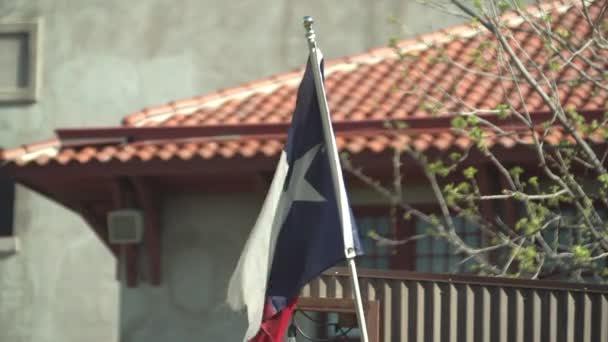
60, 287
202, 238
102, 59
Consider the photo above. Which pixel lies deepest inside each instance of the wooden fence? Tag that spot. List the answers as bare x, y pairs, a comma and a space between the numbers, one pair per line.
415, 307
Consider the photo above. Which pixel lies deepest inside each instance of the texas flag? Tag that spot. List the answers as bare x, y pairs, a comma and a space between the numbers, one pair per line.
299, 232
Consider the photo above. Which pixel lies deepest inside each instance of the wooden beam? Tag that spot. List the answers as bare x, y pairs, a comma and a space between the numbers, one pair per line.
95, 221
414, 125
122, 199
148, 201
98, 225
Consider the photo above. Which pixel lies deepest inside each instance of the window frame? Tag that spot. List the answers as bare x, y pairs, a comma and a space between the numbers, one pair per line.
31, 92
434, 209
403, 257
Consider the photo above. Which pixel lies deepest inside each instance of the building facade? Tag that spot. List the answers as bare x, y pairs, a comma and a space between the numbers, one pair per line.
76, 64
198, 168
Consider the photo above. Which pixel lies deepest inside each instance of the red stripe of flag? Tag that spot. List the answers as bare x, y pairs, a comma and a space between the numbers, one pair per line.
275, 324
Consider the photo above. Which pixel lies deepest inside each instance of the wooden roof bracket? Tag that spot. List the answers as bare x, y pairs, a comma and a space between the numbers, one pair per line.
122, 198
149, 202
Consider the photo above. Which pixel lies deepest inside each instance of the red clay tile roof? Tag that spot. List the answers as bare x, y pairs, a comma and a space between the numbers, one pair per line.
368, 88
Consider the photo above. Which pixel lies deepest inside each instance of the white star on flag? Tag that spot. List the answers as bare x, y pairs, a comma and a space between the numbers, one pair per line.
299, 189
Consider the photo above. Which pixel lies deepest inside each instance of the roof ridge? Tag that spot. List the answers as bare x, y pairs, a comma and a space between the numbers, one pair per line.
371, 56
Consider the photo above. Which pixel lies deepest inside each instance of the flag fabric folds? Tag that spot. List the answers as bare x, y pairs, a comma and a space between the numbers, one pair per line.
298, 233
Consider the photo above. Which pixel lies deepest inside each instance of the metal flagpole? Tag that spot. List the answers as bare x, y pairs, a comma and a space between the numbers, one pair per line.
336, 172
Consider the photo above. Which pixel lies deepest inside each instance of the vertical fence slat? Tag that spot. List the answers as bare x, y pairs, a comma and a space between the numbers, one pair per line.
571, 309
416, 314
449, 313
482, 314
370, 289
532, 316
334, 287
435, 323
386, 317
549, 316
565, 317
498, 317
403, 306
348, 288
321, 287
552, 318
363, 287
466, 314
583, 318
603, 327
516, 316
305, 291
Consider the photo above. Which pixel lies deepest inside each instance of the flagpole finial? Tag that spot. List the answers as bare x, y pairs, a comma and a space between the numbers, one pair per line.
310, 32
308, 21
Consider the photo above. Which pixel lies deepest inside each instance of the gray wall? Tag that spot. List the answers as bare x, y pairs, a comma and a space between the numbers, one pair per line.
202, 238
102, 59
60, 287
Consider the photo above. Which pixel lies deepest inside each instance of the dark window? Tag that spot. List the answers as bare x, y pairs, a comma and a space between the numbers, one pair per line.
423, 255
384, 222
438, 256
7, 198
376, 255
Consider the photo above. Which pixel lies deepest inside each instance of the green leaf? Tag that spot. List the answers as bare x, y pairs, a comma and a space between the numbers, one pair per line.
439, 168
476, 134
503, 111
473, 120
401, 124
562, 32
533, 181
521, 223
554, 66
503, 5
581, 254
603, 178
478, 4
431, 107
392, 42
469, 172
455, 156
516, 171
527, 258
459, 122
